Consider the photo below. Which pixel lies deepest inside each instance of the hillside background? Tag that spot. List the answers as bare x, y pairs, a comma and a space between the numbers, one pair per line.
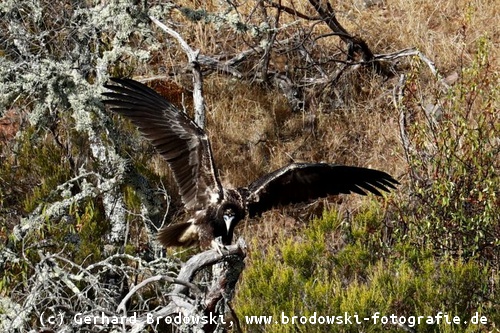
78, 184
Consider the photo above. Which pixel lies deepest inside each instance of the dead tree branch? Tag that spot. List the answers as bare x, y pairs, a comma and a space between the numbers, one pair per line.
415, 53
355, 45
101, 293
398, 95
293, 11
269, 44
198, 101
191, 302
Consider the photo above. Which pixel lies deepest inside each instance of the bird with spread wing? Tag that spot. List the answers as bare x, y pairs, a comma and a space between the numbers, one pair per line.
214, 211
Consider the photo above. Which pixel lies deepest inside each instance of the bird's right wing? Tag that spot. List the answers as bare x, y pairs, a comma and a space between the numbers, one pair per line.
300, 182
182, 143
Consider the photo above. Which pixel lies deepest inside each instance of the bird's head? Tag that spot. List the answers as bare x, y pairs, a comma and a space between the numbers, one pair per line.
228, 216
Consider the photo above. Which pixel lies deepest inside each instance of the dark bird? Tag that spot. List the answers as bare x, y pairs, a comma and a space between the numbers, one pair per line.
215, 210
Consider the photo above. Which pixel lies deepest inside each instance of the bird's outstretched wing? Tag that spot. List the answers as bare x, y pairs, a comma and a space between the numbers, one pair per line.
182, 143
299, 182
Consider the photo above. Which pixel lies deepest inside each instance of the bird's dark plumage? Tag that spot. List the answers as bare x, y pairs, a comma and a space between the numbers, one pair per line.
300, 182
215, 210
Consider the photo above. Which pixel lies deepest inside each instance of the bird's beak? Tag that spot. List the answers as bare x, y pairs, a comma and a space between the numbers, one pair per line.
228, 220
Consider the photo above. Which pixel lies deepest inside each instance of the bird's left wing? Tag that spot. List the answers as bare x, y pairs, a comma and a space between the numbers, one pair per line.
182, 143
300, 182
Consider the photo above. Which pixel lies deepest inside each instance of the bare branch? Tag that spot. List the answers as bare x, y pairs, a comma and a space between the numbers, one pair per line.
122, 306
413, 52
216, 298
354, 44
293, 11
198, 101
398, 95
207, 258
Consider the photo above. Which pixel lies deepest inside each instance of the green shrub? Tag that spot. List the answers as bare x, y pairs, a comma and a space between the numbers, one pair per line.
302, 276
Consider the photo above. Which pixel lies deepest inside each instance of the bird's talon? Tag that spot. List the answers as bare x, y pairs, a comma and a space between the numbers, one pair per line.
217, 245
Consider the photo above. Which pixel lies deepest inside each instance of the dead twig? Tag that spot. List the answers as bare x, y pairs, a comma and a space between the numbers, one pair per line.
213, 303
409, 53
198, 101
293, 11
355, 45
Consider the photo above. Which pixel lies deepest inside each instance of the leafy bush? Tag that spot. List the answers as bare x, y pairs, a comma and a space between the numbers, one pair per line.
454, 206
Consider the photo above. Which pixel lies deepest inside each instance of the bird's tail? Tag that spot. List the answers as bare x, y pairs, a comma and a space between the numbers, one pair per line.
179, 234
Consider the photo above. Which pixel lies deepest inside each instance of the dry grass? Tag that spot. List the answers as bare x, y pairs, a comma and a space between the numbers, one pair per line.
446, 31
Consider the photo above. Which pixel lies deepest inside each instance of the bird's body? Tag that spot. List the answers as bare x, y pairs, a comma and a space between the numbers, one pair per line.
218, 219
214, 210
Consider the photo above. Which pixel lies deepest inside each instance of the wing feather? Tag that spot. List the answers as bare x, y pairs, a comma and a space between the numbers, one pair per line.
182, 143
300, 182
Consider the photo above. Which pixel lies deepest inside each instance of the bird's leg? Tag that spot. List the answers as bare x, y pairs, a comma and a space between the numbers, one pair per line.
217, 245
218, 269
